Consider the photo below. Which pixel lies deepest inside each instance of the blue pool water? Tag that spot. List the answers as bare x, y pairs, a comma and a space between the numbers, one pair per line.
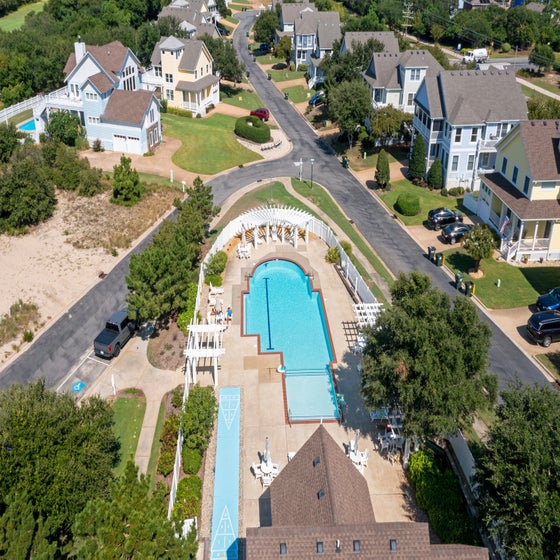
289, 317
28, 126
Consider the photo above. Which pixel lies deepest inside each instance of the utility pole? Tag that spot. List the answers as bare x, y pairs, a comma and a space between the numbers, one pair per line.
407, 16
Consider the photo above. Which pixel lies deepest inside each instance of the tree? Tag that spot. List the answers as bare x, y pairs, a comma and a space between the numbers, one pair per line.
127, 189
428, 357
265, 26
65, 127
388, 123
349, 104
55, 455
197, 420
417, 164
479, 243
131, 523
382, 172
435, 175
225, 57
540, 108
518, 473
542, 56
9, 140
283, 49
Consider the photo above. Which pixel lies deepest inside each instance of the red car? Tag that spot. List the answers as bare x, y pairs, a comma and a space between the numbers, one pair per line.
260, 113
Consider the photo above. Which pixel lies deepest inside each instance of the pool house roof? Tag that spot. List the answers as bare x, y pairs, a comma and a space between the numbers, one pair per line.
272, 215
367, 313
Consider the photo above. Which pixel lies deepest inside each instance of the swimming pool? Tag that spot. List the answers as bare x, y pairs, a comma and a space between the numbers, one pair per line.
288, 315
28, 126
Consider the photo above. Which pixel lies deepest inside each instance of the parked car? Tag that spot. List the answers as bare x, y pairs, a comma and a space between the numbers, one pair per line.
451, 233
544, 327
439, 217
222, 30
261, 113
549, 301
318, 97
265, 47
118, 329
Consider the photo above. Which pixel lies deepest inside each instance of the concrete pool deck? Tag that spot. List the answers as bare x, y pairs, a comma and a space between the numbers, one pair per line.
262, 399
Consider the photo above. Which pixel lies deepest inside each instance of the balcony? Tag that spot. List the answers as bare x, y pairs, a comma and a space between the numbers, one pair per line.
489, 145
150, 79
60, 99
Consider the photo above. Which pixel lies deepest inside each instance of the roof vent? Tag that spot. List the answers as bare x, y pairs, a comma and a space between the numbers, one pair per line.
544, 123
337, 549
321, 494
393, 545
316, 461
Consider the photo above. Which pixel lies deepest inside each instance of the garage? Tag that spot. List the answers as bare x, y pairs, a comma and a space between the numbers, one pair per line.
126, 144
119, 143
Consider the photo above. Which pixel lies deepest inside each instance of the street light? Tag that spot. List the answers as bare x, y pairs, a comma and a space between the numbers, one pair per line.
312, 162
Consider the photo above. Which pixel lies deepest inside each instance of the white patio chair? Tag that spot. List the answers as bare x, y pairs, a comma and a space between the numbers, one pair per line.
364, 456
211, 302
351, 446
291, 455
256, 468
275, 469
383, 444
266, 480
215, 291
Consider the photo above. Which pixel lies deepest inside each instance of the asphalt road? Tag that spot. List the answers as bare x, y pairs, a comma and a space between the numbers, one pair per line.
58, 350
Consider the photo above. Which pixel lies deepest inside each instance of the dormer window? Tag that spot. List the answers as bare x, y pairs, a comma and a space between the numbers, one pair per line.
393, 545
415, 74
283, 549
356, 546
316, 461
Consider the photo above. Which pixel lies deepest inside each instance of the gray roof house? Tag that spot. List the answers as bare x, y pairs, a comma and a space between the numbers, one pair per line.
314, 33
362, 37
394, 77
327, 34
462, 115
320, 508
289, 13
194, 16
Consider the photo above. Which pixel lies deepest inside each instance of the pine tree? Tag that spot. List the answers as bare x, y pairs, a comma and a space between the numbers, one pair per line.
382, 172
417, 165
435, 175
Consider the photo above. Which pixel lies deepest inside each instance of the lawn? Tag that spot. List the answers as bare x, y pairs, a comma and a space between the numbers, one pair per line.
540, 82
154, 454
21, 117
129, 415
16, 19
237, 7
239, 97
529, 92
428, 200
208, 145
285, 75
297, 94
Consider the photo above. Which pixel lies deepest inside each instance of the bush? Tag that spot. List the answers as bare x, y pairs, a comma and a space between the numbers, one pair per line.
303, 67
192, 460
214, 279
185, 316
163, 105
27, 336
217, 263
179, 112
189, 496
456, 191
407, 204
444, 192
333, 255
506, 47
97, 146
166, 462
198, 417
257, 131
347, 246
169, 433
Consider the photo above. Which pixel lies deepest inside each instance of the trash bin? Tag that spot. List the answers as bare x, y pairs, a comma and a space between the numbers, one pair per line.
248, 73
432, 253
286, 95
246, 34
439, 259
345, 162
269, 76
469, 289
458, 280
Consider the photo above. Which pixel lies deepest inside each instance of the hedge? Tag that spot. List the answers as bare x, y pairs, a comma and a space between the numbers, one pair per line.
408, 204
217, 263
189, 497
179, 112
192, 460
257, 131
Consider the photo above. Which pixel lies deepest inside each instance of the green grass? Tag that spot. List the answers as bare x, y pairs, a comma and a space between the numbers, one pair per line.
236, 7
285, 75
240, 97
551, 361
543, 84
21, 117
428, 200
154, 454
129, 415
529, 92
298, 94
16, 19
231, 19
208, 145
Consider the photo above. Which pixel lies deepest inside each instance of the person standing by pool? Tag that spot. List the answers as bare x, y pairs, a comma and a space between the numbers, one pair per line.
229, 313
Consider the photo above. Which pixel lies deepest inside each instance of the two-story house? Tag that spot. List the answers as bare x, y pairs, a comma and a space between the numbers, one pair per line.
314, 34
327, 34
182, 71
289, 12
195, 17
461, 115
103, 87
351, 38
394, 77
521, 198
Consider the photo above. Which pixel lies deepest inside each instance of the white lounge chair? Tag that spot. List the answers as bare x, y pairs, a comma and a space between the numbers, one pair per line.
364, 456
256, 468
215, 291
266, 480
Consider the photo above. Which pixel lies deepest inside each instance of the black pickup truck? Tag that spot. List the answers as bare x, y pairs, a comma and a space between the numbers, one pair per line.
118, 329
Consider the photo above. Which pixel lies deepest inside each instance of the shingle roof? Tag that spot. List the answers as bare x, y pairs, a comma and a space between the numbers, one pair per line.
110, 57
523, 207
101, 82
191, 54
308, 22
291, 11
362, 37
207, 29
190, 14
327, 34
540, 142
127, 107
199, 85
474, 97
320, 487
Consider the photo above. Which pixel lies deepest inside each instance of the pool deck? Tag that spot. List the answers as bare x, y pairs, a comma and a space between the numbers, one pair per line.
262, 399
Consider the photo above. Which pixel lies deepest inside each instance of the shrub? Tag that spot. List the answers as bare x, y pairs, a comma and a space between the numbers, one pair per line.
177, 397
333, 255
506, 47
408, 204
169, 433
27, 336
257, 131
214, 279
198, 417
97, 146
456, 191
189, 496
444, 192
217, 263
166, 462
192, 460
435, 175
187, 314
179, 112
163, 105
347, 246
303, 67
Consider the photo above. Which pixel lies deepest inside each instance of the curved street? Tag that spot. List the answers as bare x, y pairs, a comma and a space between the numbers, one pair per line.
59, 349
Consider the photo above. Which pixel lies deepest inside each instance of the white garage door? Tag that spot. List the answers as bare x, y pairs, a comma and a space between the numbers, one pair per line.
119, 143
133, 145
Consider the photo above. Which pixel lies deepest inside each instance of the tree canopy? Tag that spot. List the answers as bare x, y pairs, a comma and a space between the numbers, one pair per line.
225, 57
417, 164
127, 188
429, 357
518, 474
265, 26
382, 171
479, 243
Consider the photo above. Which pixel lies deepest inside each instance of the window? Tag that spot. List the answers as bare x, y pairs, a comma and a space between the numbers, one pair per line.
75, 90
393, 545
319, 548
157, 71
484, 160
356, 546
455, 163
378, 95
514, 174
433, 150
151, 115
196, 74
169, 94
415, 74
93, 120
458, 134
474, 134
90, 96
410, 100
504, 165
470, 162
168, 78
548, 184
526, 184
283, 549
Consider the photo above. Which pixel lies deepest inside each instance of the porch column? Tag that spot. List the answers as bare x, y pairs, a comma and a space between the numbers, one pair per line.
267, 232
519, 245
215, 371
295, 237
535, 236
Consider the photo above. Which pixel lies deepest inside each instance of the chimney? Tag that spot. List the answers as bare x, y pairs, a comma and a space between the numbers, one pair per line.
79, 49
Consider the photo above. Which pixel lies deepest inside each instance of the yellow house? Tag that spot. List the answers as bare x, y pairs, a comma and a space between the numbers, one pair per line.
520, 198
184, 69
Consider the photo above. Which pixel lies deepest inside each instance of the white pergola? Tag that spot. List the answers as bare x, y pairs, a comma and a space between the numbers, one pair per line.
204, 341
367, 313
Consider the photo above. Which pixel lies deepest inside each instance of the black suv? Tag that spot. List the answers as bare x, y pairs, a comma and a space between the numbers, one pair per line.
544, 327
439, 217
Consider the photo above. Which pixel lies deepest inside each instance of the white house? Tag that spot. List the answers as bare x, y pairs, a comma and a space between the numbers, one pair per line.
103, 87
